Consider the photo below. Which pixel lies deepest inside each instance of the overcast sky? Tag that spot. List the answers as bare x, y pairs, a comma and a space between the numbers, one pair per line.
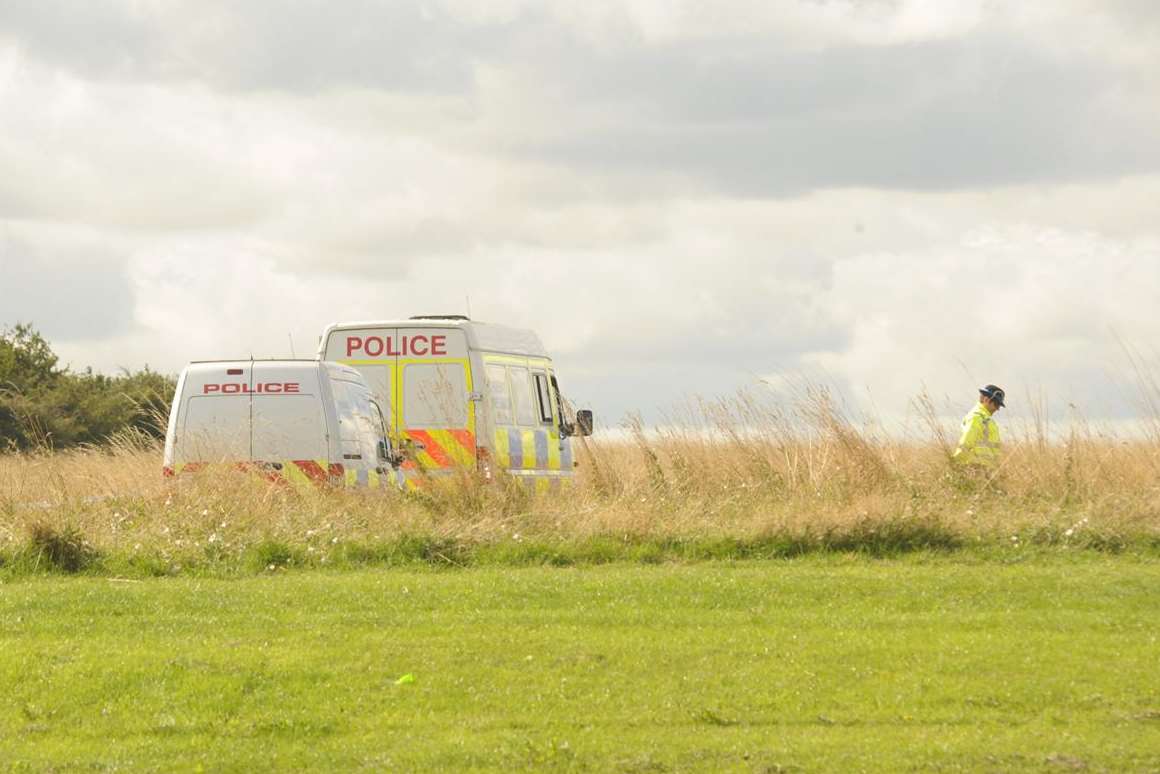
680, 197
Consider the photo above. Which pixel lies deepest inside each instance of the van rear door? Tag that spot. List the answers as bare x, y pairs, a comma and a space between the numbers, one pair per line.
422, 377
435, 410
215, 420
288, 421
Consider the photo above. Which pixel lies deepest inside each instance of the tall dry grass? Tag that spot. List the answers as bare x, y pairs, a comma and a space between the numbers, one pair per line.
745, 469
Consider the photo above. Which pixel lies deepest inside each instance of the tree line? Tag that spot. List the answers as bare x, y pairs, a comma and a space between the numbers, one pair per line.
46, 406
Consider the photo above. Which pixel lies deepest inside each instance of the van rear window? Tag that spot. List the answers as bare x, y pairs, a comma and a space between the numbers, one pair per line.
288, 428
216, 429
434, 395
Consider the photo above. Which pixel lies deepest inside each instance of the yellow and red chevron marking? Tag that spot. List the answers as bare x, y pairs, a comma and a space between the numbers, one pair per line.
444, 448
315, 472
411, 474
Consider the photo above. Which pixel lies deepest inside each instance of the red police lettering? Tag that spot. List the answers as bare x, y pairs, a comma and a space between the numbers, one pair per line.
265, 388
420, 345
278, 388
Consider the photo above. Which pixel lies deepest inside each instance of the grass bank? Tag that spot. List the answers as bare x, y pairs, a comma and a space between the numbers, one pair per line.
829, 662
51, 553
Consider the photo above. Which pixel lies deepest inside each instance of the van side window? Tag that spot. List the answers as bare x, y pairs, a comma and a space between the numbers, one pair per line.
366, 417
434, 395
501, 399
344, 403
543, 398
382, 423
561, 406
380, 434
522, 396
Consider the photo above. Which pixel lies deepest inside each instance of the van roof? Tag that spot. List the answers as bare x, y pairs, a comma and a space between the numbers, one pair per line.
489, 337
335, 370
255, 361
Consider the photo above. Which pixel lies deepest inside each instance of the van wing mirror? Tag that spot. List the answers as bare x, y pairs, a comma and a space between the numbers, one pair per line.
584, 422
387, 454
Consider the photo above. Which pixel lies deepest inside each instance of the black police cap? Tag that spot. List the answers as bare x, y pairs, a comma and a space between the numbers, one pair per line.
995, 393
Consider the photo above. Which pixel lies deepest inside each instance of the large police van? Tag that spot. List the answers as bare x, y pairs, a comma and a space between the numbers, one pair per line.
293, 420
464, 394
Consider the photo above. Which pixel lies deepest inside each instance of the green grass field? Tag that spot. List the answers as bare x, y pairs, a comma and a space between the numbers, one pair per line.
822, 663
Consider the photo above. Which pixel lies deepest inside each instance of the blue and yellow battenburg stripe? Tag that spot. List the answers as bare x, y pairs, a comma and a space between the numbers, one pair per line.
539, 457
372, 479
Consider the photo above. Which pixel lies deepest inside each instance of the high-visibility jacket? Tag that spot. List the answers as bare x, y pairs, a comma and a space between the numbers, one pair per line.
979, 443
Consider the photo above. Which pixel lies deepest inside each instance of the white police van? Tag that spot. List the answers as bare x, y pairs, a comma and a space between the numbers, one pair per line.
292, 420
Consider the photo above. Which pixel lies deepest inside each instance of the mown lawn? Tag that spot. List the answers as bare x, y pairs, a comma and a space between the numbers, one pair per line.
822, 663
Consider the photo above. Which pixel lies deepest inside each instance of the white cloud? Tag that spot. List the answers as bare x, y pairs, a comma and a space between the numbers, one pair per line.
1029, 308
678, 196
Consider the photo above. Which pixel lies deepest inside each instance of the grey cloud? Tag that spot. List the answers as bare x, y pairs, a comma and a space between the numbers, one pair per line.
93, 38
753, 116
305, 46
763, 120
63, 290
1132, 14
311, 46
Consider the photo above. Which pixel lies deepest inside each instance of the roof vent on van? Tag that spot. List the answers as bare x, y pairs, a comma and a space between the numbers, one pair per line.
441, 317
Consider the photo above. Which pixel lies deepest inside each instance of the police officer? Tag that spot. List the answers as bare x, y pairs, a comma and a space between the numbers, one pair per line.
979, 445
